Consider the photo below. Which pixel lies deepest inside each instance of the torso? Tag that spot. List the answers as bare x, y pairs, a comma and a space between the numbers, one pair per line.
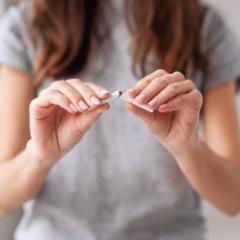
118, 182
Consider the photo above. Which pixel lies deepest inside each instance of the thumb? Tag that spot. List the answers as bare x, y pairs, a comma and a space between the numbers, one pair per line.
145, 116
85, 120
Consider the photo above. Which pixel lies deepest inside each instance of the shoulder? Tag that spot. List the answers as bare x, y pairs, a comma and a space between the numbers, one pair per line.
16, 18
214, 27
220, 47
16, 47
211, 18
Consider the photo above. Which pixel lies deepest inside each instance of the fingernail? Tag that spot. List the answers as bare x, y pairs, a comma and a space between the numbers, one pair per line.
73, 107
83, 105
153, 102
140, 98
131, 91
104, 92
95, 100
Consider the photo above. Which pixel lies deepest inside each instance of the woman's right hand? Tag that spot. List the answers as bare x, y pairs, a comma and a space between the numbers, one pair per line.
60, 117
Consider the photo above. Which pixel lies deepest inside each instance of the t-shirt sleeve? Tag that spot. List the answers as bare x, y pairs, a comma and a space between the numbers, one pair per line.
221, 49
13, 49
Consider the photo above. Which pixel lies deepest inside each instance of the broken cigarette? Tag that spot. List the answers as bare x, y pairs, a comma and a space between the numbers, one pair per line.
126, 98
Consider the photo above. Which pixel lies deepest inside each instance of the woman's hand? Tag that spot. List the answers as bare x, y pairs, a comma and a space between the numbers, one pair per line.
177, 105
60, 116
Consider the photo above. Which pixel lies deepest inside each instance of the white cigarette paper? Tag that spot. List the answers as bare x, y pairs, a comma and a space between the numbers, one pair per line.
126, 98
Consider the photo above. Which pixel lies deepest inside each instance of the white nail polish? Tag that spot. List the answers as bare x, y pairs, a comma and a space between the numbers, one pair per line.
83, 105
95, 100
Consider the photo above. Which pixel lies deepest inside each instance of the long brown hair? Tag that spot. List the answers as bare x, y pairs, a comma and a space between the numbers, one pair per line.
168, 30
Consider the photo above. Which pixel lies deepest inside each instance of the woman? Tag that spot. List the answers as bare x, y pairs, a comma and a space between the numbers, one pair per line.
133, 174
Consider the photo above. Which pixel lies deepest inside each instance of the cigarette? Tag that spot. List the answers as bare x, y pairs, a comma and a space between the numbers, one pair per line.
126, 98
114, 96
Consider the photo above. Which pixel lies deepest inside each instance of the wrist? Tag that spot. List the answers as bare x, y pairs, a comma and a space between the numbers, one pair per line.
38, 157
188, 147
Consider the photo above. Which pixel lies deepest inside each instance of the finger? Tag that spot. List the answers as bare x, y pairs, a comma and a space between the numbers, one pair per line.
77, 101
89, 96
157, 85
100, 91
85, 121
194, 98
143, 83
48, 99
142, 114
172, 90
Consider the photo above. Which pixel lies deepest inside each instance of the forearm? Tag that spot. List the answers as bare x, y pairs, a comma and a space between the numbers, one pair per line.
21, 178
215, 178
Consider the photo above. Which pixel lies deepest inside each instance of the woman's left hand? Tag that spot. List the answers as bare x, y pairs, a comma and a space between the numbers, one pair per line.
177, 105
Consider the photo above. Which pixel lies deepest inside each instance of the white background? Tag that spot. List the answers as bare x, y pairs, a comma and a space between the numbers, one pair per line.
220, 227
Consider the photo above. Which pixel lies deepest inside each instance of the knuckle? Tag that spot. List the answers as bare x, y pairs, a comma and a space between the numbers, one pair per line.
50, 92
90, 84
199, 96
191, 83
165, 82
75, 96
178, 75
196, 93
47, 91
167, 79
197, 101
160, 71
74, 81
52, 85
146, 80
57, 84
94, 87
161, 80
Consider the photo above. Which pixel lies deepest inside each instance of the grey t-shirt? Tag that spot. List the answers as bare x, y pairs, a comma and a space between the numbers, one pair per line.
118, 183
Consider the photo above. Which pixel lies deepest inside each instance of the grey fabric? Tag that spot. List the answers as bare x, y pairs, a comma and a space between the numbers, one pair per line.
15, 45
222, 50
4, 4
118, 183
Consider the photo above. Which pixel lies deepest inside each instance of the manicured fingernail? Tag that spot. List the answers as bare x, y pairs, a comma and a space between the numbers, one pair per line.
104, 92
73, 107
140, 98
131, 91
83, 105
153, 102
95, 100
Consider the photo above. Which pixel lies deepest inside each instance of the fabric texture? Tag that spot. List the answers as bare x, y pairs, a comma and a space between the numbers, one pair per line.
118, 183
15, 44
